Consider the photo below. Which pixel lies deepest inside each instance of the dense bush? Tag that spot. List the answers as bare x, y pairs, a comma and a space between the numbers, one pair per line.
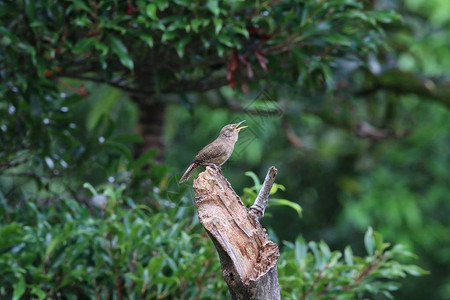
125, 250
66, 251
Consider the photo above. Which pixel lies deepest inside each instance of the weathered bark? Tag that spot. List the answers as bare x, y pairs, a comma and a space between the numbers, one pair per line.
248, 259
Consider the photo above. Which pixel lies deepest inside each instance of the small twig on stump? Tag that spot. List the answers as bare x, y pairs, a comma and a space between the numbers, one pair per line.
248, 259
261, 201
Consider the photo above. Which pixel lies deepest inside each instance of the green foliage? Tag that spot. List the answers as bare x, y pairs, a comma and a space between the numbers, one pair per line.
312, 271
68, 251
404, 195
159, 47
251, 193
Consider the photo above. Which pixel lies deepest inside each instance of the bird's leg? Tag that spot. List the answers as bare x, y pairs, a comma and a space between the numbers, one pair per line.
215, 167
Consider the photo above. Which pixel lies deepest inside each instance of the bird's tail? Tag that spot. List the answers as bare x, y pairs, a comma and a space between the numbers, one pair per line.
188, 172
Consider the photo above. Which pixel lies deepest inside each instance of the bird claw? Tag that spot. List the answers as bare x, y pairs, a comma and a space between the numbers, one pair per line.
215, 167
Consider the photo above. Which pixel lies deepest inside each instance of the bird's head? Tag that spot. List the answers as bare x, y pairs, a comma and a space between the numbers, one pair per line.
231, 131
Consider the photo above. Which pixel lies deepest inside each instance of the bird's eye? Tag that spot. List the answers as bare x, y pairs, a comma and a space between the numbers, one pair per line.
229, 132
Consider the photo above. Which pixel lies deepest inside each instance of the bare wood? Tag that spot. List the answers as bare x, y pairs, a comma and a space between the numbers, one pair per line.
248, 259
261, 201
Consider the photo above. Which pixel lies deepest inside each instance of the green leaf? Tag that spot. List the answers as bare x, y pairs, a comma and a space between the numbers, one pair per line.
121, 51
80, 4
414, 270
348, 255
10, 234
168, 35
144, 159
154, 265
206, 42
162, 4
242, 31
148, 39
195, 24
30, 9
386, 16
401, 250
151, 11
83, 45
52, 245
275, 188
120, 148
300, 249
102, 108
102, 48
255, 178
320, 262
337, 39
369, 241
379, 245
284, 202
179, 45
19, 288
325, 249
38, 292
89, 186
213, 6
218, 23
226, 40
250, 194
220, 50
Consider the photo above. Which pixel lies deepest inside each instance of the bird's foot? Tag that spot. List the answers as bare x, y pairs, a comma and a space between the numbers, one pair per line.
215, 167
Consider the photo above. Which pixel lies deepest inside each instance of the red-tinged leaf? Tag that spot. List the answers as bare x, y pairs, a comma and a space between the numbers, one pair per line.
130, 8
257, 33
232, 66
230, 76
253, 30
244, 61
234, 60
82, 90
229, 72
232, 83
250, 71
262, 60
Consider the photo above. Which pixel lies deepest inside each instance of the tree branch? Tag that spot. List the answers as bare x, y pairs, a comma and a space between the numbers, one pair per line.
262, 199
409, 83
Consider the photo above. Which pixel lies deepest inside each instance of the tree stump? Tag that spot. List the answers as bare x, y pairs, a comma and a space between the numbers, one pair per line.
248, 259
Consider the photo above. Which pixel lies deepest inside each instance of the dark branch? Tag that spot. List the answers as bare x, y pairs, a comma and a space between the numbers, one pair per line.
409, 83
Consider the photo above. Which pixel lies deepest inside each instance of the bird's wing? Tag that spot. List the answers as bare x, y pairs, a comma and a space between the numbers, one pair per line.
209, 152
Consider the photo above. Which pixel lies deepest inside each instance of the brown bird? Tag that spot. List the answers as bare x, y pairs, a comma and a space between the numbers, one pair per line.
216, 153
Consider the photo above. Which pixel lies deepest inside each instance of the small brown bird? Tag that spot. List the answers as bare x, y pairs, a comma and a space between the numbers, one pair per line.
216, 153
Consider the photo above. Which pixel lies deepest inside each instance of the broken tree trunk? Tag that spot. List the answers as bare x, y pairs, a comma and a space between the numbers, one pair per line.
248, 259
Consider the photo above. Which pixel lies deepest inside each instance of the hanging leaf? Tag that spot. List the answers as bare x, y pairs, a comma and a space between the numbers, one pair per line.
151, 11
121, 51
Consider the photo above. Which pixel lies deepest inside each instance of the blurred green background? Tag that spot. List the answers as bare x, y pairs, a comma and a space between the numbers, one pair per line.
104, 100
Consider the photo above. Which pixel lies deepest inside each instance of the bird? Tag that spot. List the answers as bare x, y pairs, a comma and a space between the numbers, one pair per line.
217, 152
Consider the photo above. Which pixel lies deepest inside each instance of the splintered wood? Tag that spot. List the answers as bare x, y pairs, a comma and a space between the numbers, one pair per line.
241, 241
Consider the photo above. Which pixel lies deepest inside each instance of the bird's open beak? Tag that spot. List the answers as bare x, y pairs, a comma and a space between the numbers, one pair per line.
240, 128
